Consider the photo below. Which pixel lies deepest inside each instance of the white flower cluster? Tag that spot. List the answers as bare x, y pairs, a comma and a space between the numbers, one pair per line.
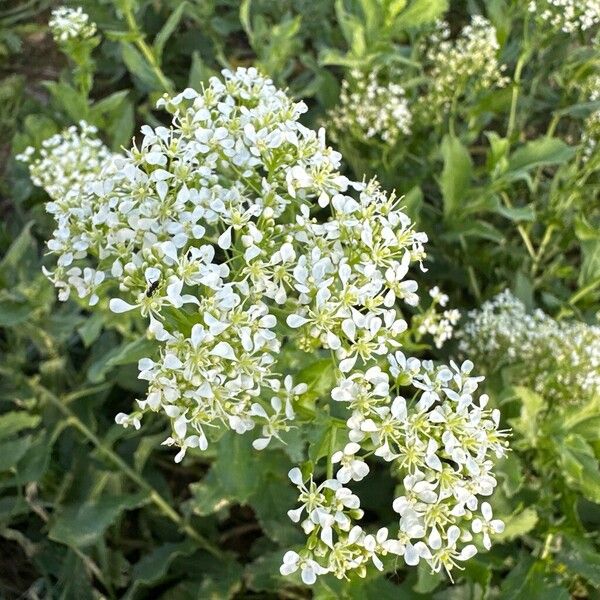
441, 442
68, 24
568, 16
368, 110
560, 360
65, 166
465, 65
206, 229
440, 325
209, 229
67, 162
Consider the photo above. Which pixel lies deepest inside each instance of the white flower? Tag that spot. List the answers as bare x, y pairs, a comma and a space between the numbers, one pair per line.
309, 567
487, 524
69, 24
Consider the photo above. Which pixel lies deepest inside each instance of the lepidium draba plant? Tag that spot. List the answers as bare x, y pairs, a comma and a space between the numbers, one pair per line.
234, 234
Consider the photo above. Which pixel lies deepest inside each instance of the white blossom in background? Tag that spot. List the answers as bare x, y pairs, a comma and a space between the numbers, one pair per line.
441, 442
67, 24
207, 229
440, 325
562, 358
466, 65
568, 16
370, 110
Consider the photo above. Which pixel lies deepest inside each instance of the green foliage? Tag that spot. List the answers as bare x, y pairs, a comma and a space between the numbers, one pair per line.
501, 184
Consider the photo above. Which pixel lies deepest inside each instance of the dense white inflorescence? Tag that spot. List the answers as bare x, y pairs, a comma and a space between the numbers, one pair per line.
568, 16
369, 110
440, 440
561, 359
233, 231
67, 24
467, 64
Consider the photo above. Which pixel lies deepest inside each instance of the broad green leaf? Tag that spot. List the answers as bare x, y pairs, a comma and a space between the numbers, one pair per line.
153, 567
13, 312
529, 581
139, 68
538, 153
455, 179
14, 422
108, 106
11, 451
517, 524
125, 354
69, 100
82, 524
421, 12
581, 558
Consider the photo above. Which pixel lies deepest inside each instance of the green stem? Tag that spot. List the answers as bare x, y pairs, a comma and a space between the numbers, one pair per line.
144, 48
154, 496
542, 249
522, 231
331, 450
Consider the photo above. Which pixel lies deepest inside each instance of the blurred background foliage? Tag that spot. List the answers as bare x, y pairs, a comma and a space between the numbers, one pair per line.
91, 510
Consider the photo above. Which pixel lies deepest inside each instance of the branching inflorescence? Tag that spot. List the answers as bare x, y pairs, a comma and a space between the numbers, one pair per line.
233, 232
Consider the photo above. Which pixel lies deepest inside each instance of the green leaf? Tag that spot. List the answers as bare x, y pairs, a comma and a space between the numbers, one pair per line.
139, 68
108, 106
455, 179
124, 354
82, 524
538, 153
529, 581
13, 422
167, 29
69, 100
12, 451
13, 312
588, 235
580, 466
532, 406
581, 558
23, 244
421, 12
153, 567
517, 524
200, 72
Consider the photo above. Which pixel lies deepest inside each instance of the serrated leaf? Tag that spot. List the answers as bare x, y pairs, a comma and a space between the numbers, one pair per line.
517, 525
